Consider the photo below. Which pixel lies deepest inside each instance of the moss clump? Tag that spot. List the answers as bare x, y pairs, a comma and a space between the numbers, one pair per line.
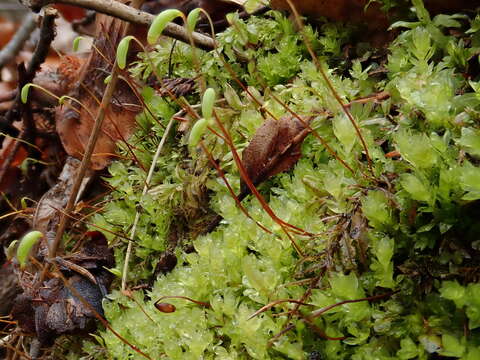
406, 225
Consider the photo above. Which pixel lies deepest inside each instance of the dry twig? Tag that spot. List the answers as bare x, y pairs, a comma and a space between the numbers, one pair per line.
130, 14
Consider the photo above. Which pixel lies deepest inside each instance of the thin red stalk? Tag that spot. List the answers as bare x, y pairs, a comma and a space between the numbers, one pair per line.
319, 312
280, 334
232, 72
315, 133
128, 293
140, 98
121, 236
129, 147
275, 303
216, 133
243, 173
207, 305
116, 128
98, 316
229, 187
323, 310
126, 79
239, 163
307, 293
248, 182
330, 85
319, 331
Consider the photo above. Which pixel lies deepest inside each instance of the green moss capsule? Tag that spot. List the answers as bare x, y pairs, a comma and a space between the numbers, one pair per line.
24, 93
25, 246
197, 132
122, 51
207, 103
192, 19
160, 22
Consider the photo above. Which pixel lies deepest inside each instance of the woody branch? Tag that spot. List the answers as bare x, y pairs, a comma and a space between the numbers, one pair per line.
130, 14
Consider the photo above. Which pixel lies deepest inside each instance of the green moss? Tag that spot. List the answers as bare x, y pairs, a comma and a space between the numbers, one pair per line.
408, 224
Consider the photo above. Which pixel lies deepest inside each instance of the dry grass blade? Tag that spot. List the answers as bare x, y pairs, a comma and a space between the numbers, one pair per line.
145, 189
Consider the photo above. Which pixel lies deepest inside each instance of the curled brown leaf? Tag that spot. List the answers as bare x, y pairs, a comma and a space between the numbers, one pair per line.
275, 148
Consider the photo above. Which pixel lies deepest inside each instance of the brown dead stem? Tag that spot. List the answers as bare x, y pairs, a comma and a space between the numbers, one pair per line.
84, 166
130, 14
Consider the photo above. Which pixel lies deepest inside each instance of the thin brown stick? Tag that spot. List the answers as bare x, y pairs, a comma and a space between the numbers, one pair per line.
29, 128
307, 293
129, 294
47, 34
85, 164
275, 303
130, 14
375, 98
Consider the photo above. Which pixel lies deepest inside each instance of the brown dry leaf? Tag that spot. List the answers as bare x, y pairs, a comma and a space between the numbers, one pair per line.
354, 11
47, 215
275, 147
75, 127
449, 6
59, 77
357, 11
55, 308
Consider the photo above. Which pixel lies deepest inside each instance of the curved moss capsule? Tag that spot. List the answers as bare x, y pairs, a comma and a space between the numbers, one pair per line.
192, 19
76, 43
62, 99
23, 203
114, 271
122, 51
24, 92
207, 103
25, 245
197, 132
160, 22
10, 251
